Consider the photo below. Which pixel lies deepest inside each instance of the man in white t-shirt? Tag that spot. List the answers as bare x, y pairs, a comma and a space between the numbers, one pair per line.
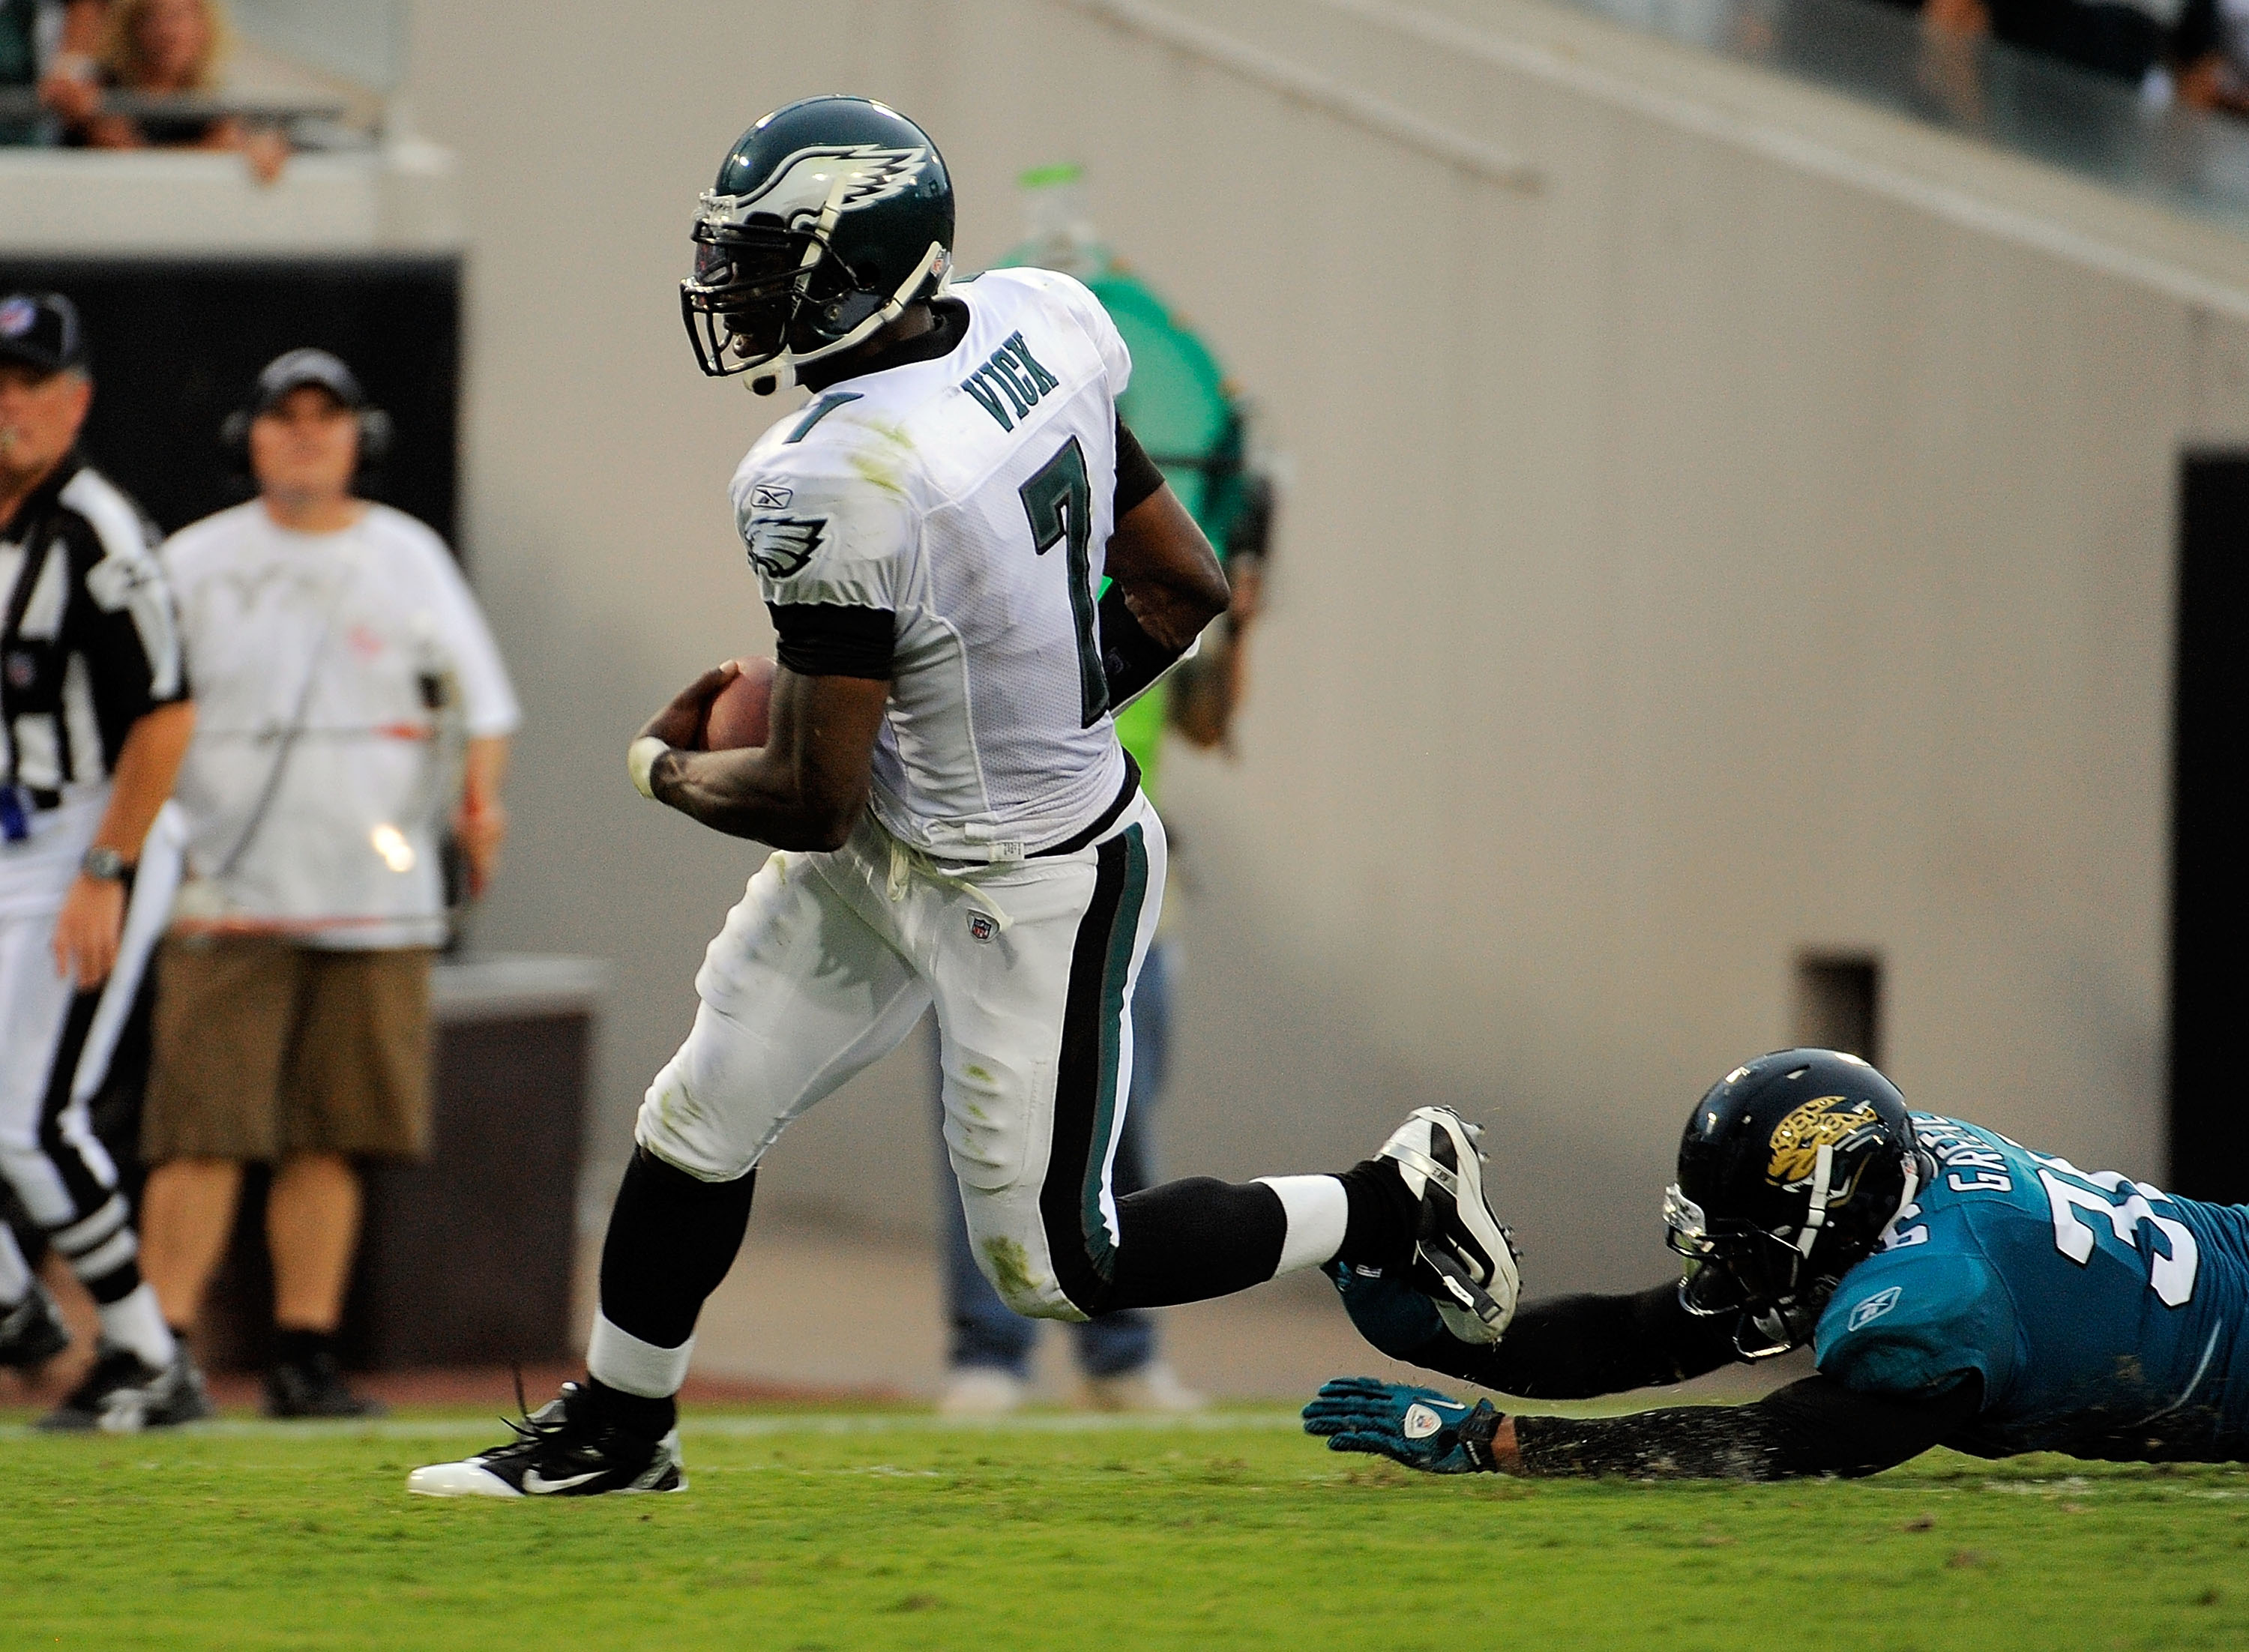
352, 706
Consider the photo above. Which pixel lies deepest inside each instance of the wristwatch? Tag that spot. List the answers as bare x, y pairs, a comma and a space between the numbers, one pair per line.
104, 865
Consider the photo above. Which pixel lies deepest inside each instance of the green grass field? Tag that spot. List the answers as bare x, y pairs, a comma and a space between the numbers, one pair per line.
851, 1531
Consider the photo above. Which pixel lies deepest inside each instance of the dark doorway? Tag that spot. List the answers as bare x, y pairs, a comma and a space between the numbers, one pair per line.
1839, 1004
2209, 969
176, 344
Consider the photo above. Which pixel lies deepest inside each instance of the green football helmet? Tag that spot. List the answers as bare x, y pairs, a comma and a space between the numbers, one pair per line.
829, 216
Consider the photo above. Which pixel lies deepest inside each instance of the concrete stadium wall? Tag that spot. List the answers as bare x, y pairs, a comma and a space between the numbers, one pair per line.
1725, 521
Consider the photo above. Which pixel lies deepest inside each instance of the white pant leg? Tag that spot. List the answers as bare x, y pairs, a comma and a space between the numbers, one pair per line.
1036, 1041
35, 1013
34, 1003
799, 991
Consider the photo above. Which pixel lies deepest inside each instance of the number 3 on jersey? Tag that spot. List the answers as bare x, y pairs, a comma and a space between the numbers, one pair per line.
2171, 1266
1059, 502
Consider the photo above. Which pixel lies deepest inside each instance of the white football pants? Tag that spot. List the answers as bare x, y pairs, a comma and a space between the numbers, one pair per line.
55, 1043
830, 960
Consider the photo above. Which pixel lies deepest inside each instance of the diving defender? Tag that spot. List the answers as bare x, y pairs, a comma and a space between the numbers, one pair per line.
1957, 1289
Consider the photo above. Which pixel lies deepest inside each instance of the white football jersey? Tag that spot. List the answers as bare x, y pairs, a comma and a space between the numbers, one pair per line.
971, 497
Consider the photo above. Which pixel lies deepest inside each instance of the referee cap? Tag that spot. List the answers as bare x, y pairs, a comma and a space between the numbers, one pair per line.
295, 369
42, 330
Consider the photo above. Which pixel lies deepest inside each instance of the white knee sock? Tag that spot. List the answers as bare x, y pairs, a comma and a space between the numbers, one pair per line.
15, 1277
1317, 1211
134, 1321
622, 1361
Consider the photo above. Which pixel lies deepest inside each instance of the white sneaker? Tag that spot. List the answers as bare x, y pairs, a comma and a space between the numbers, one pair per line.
982, 1391
1153, 1387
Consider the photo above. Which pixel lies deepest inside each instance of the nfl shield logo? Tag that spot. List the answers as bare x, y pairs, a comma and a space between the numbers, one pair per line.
16, 317
982, 928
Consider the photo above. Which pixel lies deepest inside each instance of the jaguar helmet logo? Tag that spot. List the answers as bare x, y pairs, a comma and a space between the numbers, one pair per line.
1825, 1122
799, 186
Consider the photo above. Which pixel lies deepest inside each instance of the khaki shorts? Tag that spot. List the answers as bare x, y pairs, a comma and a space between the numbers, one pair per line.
265, 1049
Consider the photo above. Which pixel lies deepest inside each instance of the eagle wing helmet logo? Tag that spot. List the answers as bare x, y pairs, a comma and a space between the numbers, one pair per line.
1822, 1123
801, 186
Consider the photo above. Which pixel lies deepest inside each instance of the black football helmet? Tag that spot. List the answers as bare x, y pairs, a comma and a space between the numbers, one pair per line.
1791, 1168
829, 216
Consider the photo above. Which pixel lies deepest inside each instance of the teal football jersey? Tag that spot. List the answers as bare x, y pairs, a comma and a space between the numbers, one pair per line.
2106, 1317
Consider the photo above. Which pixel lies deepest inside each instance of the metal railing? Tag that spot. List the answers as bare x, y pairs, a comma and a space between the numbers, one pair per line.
2048, 111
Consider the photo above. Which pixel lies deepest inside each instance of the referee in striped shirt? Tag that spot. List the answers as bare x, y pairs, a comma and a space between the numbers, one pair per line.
93, 718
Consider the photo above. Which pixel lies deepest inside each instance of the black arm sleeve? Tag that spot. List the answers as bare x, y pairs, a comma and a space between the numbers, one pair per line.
1130, 659
1816, 1426
1575, 1347
1137, 475
833, 639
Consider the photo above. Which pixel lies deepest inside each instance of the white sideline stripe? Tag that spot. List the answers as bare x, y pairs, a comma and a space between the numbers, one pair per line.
723, 1427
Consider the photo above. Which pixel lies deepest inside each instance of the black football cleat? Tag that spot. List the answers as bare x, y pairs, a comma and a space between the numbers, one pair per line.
1464, 1259
314, 1386
561, 1449
32, 1332
120, 1395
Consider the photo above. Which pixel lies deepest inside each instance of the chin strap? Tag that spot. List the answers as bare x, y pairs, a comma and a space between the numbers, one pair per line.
1815, 1216
780, 373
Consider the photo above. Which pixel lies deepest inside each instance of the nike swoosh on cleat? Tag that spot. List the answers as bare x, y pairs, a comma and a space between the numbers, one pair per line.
537, 1484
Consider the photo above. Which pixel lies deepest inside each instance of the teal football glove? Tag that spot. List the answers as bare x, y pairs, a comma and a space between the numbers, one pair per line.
1419, 1427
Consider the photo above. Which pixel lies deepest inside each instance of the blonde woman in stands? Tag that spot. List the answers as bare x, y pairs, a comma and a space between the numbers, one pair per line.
176, 47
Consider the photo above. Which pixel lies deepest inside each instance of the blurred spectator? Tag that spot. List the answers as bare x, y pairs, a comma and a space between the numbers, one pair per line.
2212, 46
349, 692
2122, 41
158, 47
49, 44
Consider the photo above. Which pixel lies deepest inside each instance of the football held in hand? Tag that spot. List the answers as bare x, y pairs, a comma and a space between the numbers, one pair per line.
739, 716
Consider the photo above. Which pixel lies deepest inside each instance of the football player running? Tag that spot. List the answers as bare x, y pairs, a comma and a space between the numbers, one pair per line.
1957, 1289
953, 820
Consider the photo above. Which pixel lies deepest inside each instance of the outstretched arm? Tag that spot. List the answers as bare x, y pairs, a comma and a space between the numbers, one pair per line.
1816, 1426
1570, 1348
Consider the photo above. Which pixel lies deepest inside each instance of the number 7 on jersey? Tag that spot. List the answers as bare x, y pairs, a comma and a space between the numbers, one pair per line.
1059, 502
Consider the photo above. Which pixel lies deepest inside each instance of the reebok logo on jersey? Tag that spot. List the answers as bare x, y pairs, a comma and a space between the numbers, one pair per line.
765, 496
1421, 1422
1015, 373
780, 546
1874, 1306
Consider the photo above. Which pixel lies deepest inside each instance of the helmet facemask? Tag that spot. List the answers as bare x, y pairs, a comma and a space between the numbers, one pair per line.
1776, 1281
765, 300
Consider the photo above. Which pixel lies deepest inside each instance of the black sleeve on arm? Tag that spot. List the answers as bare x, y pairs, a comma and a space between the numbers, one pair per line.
1574, 1348
1816, 1426
1137, 475
833, 639
1130, 659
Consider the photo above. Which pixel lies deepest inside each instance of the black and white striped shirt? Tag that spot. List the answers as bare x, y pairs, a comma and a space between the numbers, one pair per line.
88, 641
